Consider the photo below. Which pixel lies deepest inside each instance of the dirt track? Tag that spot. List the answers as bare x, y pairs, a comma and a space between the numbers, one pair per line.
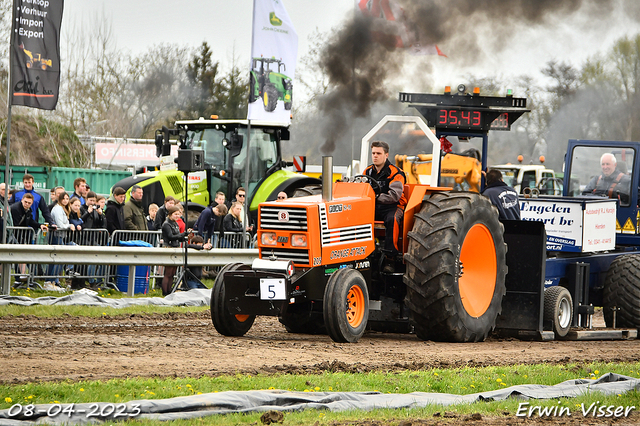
187, 345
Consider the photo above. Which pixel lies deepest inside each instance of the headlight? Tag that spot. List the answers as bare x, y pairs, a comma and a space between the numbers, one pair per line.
298, 240
268, 239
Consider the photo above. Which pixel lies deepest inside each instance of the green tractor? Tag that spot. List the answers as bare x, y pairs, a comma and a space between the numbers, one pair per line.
270, 85
227, 148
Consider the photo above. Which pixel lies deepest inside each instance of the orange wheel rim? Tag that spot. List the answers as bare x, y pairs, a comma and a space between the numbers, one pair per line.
242, 318
478, 270
355, 306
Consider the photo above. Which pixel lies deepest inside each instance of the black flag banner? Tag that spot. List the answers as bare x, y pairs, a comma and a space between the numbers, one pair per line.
35, 53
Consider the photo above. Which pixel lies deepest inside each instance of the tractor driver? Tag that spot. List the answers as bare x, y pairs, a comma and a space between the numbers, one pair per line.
390, 199
612, 182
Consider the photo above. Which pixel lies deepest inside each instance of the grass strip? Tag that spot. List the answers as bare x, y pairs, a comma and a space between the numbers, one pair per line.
456, 381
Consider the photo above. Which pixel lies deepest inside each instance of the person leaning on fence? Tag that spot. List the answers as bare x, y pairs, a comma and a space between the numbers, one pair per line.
61, 213
134, 217
92, 215
38, 202
209, 223
22, 216
171, 237
75, 215
114, 213
232, 223
161, 215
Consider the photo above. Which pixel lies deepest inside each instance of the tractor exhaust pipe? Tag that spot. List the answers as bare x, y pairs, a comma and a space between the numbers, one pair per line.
327, 177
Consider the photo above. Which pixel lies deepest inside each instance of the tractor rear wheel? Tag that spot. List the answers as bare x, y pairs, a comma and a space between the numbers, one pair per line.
558, 309
307, 190
622, 292
226, 323
456, 267
270, 97
346, 306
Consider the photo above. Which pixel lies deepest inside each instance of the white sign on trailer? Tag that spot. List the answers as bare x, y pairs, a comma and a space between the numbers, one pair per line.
574, 225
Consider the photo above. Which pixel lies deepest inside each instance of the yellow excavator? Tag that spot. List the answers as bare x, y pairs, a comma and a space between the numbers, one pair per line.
36, 59
458, 171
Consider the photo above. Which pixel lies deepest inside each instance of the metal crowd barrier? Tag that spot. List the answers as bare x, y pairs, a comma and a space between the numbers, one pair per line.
22, 273
232, 240
152, 237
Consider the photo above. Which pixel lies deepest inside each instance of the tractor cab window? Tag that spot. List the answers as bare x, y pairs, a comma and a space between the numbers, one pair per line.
262, 154
510, 177
601, 171
211, 141
528, 180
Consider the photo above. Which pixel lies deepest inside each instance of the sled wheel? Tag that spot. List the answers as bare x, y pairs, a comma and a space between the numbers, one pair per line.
622, 292
456, 266
346, 306
558, 309
226, 323
302, 318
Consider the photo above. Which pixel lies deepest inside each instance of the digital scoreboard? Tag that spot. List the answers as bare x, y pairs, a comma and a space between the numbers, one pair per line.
467, 113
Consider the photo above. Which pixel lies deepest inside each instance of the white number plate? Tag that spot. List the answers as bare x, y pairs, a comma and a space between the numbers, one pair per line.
272, 289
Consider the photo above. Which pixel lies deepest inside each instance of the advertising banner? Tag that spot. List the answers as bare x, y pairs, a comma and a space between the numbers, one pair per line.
129, 154
574, 225
274, 51
35, 53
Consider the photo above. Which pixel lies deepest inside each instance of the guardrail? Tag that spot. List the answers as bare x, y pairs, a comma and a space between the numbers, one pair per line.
110, 255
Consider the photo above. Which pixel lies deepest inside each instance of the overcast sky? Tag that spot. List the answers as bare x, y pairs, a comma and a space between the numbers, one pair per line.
226, 26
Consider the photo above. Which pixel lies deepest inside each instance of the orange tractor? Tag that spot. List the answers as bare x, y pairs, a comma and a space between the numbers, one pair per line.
320, 263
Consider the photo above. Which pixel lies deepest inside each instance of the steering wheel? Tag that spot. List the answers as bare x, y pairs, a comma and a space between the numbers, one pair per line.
556, 182
371, 181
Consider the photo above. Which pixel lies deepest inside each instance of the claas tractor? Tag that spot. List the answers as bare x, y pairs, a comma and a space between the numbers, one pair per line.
320, 265
270, 85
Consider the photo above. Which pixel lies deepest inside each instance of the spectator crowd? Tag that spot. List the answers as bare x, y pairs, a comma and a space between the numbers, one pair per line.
84, 209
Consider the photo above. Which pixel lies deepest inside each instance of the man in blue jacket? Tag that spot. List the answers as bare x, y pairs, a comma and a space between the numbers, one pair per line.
38, 202
502, 196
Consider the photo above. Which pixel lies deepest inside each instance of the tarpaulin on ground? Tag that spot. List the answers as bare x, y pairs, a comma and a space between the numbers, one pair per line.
189, 407
195, 297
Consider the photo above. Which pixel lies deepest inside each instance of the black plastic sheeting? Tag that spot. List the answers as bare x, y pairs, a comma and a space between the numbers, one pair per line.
189, 407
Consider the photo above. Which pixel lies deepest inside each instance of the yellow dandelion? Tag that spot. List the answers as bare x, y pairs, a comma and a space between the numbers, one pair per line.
198, 393
117, 396
271, 388
104, 313
188, 386
30, 397
596, 372
472, 386
330, 388
81, 389
317, 388
435, 374
307, 390
525, 376
8, 400
498, 380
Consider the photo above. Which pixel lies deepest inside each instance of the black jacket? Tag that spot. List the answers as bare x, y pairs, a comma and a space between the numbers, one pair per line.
171, 235
114, 216
22, 217
93, 220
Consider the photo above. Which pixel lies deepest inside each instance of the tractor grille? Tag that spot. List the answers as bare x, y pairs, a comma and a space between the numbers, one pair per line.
270, 218
342, 235
297, 256
176, 184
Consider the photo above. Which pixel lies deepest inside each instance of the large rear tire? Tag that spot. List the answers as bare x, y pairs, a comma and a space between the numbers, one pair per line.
346, 306
455, 268
270, 97
622, 292
558, 309
307, 190
226, 323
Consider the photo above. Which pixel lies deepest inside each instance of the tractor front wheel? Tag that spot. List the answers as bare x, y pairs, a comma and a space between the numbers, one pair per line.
224, 321
456, 267
346, 306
